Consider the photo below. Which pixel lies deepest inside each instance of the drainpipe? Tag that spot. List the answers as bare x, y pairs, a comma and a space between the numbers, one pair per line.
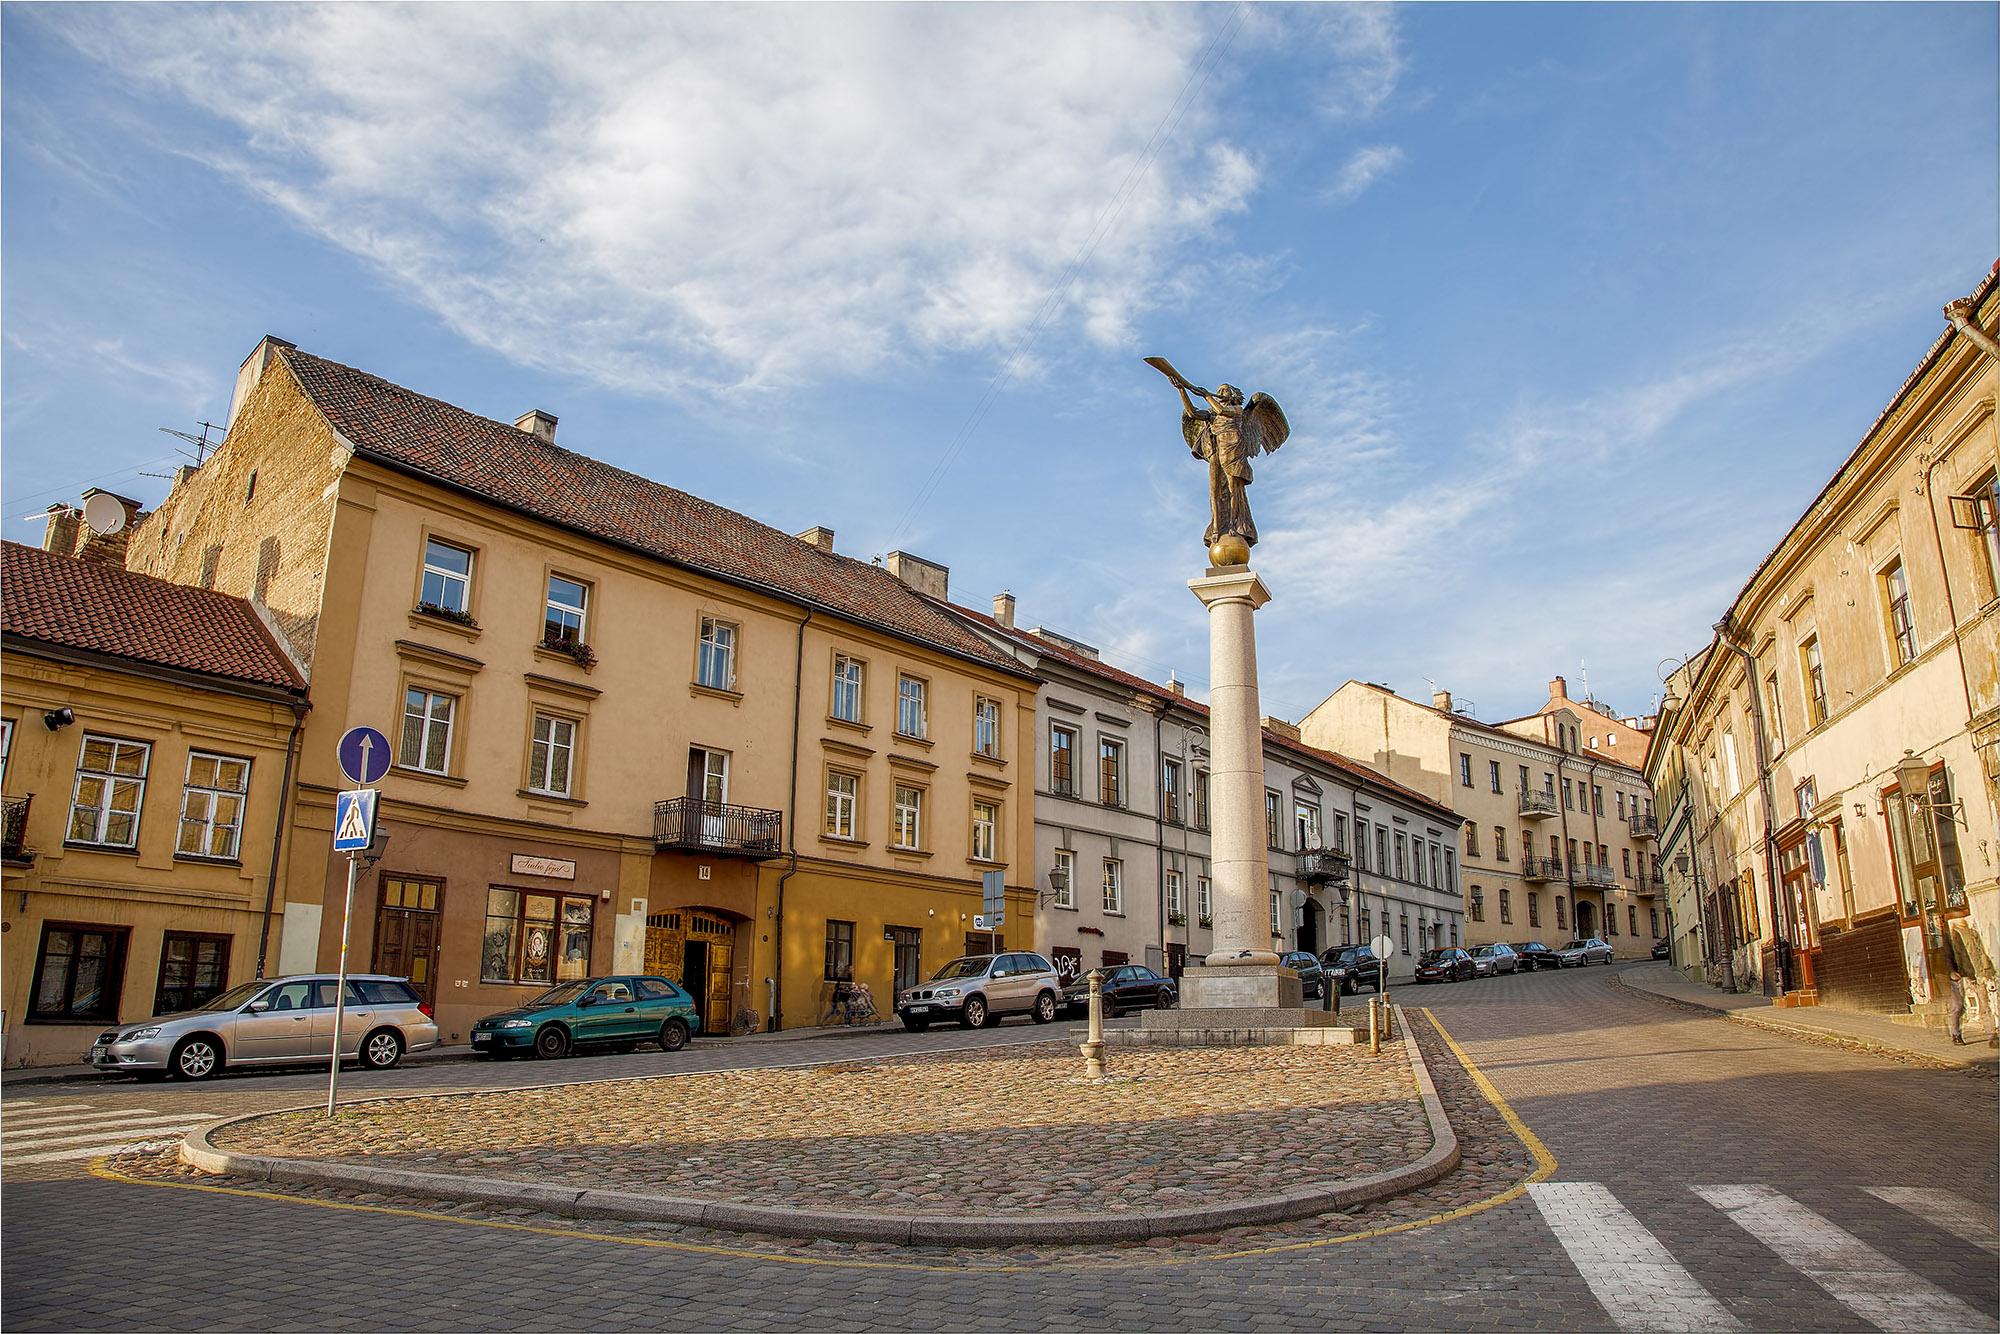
1160, 837
299, 708
1725, 635
791, 834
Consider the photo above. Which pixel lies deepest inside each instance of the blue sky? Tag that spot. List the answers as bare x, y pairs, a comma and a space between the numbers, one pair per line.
1572, 308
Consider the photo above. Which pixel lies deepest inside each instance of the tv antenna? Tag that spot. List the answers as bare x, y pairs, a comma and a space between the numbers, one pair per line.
202, 444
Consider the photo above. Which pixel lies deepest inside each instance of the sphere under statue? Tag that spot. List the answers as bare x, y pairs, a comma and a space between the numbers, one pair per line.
1229, 549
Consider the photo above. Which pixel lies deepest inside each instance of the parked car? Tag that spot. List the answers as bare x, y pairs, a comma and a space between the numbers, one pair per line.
617, 1012
1580, 953
1127, 986
1353, 967
1493, 960
1532, 955
1663, 949
274, 1021
979, 990
1312, 973
1445, 965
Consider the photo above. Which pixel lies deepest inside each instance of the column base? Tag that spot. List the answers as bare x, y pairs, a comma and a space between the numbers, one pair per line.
1238, 986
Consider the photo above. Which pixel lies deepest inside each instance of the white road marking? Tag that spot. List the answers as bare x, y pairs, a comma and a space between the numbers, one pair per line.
1639, 1285
18, 1127
109, 1126
10, 1110
94, 1150
1851, 1271
1941, 1208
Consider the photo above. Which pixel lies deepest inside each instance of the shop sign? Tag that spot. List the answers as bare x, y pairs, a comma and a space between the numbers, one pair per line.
552, 868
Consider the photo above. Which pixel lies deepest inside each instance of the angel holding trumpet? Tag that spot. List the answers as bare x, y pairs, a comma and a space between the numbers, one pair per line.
1227, 435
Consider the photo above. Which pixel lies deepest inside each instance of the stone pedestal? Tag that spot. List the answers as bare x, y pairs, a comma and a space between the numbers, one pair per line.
1238, 987
1240, 874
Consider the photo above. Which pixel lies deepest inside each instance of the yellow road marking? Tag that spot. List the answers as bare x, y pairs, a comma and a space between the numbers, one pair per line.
1545, 1167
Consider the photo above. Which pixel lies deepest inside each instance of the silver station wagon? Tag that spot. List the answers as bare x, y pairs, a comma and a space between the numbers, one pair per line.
274, 1021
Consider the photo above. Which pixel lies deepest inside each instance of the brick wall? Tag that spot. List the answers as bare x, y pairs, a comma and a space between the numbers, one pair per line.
1861, 968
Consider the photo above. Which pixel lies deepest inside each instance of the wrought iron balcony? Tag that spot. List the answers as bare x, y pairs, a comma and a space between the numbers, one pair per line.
688, 825
1535, 870
1645, 826
14, 829
1324, 866
1537, 805
1593, 875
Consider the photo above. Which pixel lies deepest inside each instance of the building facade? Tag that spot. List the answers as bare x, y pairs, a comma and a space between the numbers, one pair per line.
146, 738
1841, 736
632, 730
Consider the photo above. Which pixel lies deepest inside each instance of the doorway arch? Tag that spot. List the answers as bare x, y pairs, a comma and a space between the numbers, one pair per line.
1312, 927
1586, 919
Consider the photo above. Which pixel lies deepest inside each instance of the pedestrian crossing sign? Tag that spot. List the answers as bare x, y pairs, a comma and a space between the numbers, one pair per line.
353, 820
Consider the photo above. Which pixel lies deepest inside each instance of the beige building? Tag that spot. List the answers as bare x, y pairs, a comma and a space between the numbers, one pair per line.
631, 729
1556, 841
1841, 738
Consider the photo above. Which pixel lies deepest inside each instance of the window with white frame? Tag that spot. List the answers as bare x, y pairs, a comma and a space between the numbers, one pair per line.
1173, 894
550, 754
1307, 817
212, 805
715, 660
447, 582
427, 720
110, 786
562, 622
1065, 886
985, 831
1812, 669
912, 707
1277, 907
847, 675
843, 791
986, 726
1204, 901
909, 827
1896, 602
1114, 885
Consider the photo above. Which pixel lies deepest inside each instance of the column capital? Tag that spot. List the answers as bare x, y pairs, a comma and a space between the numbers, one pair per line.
1230, 584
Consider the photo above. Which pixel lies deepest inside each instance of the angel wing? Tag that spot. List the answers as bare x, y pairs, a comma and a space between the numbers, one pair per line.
1264, 425
1195, 430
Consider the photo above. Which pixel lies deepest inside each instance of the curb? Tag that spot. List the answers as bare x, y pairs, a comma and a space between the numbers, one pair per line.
197, 1151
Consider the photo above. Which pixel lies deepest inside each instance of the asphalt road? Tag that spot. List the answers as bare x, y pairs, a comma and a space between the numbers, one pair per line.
1705, 1175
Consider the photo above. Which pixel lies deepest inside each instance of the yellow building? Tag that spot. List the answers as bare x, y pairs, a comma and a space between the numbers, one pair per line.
631, 729
145, 734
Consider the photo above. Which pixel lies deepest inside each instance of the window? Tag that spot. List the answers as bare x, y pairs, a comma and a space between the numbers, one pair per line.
1402, 856
1813, 671
839, 951
1566, 796
842, 793
1471, 839
1626, 855
1610, 919
1621, 805
1500, 841
1405, 919
1562, 921
1170, 790
1368, 926
913, 715
1524, 778
1111, 771
1277, 907
1464, 769
1534, 909
1436, 881
79, 972
1632, 919
1417, 860
563, 621
909, 828
986, 726
715, 660
1896, 600
906, 945
427, 716
1596, 799
110, 785
1271, 834
1173, 894
846, 699
1382, 850
1199, 798
1983, 510
1774, 707
550, 755
1478, 898
985, 831
1065, 886
6, 745
1655, 914
212, 806
1450, 880
1729, 763
535, 938
447, 576
1062, 761
1340, 831
1203, 902
194, 969
1454, 935
1306, 815
1493, 774
1114, 885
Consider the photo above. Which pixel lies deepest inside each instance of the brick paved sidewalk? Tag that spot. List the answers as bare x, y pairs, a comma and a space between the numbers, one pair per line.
1870, 1031
991, 1133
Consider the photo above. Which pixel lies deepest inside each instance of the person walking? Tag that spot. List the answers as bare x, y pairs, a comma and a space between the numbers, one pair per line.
1971, 966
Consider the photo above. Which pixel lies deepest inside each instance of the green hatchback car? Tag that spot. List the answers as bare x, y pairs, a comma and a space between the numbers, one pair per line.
615, 1012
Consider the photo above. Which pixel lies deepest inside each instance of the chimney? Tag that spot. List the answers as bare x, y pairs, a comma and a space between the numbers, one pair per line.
252, 370
539, 424
1558, 689
1279, 727
1174, 684
1441, 699
108, 520
65, 522
1003, 609
926, 576
1076, 646
818, 536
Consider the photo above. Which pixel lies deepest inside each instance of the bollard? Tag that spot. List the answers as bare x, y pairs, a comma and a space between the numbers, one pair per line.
1374, 1029
1093, 1045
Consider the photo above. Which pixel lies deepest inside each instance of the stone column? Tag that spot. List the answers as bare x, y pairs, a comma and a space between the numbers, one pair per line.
1240, 877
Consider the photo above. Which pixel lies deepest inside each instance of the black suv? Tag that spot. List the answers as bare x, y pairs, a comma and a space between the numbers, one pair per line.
1353, 967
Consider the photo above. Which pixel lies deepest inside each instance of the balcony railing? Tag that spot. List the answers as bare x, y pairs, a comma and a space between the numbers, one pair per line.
1537, 869
687, 825
1645, 826
1537, 805
1324, 866
1593, 875
14, 829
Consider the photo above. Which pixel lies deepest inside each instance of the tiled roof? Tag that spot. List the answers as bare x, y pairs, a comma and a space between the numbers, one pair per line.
108, 609
404, 430
1467, 721
1049, 648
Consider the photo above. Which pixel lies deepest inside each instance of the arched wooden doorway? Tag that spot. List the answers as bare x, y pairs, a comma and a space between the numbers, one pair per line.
1586, 919
696, 947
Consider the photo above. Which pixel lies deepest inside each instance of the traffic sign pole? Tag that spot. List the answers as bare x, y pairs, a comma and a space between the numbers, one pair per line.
340, 987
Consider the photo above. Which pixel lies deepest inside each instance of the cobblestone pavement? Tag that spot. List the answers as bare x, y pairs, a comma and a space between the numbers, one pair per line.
1172, 1128
1728, 1162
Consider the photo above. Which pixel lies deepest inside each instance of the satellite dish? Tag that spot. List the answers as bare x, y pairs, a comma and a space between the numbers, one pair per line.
104, 512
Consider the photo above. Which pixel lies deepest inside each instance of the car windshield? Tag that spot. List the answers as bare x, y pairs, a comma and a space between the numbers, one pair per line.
1576, 944
1436, 956
1353, 955
1482, 951
562, 995
974, 966
1531, 945
235, 997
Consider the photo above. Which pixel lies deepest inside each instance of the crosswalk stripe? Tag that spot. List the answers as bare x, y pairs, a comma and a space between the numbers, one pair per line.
1954, 1213
12, 1109
75, 1119
119, 1126
1639, 1285
93, 1150
12, 1115
1851, 1271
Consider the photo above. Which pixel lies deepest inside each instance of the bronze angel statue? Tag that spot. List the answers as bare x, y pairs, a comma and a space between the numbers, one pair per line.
1227, 435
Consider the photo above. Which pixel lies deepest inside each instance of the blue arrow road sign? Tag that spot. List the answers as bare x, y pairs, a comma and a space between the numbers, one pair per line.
354, 820
364, 755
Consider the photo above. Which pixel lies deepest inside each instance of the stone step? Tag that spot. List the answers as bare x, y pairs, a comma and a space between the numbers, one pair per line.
1233, 1037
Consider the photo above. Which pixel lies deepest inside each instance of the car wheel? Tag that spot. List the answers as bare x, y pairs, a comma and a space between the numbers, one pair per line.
1045, 1008
1170, 1000
198, 1057
673, 1035
974, 1014
1346, 986
382, 1049
552, 1042
914, 1024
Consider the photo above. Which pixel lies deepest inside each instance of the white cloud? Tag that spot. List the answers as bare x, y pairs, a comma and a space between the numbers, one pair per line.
1367, 166
1366, 40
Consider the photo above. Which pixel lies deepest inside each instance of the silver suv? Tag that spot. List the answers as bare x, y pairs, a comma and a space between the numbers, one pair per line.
979, 989
274, 1021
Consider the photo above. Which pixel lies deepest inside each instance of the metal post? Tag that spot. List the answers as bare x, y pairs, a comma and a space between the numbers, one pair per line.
1374, 1031
1093, 1046
340, 988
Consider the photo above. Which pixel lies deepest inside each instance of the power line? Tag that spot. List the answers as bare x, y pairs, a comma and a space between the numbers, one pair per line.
73, 488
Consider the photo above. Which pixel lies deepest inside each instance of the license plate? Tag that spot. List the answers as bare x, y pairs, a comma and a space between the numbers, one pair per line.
478, 1038
916, 1009
97, 1053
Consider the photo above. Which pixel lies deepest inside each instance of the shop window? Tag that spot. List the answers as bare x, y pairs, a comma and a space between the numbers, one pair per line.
79, 973
535, 938
839, 951
193, 970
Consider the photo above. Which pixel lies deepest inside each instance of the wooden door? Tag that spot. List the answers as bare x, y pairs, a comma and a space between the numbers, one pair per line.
408, 931
718, 1012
